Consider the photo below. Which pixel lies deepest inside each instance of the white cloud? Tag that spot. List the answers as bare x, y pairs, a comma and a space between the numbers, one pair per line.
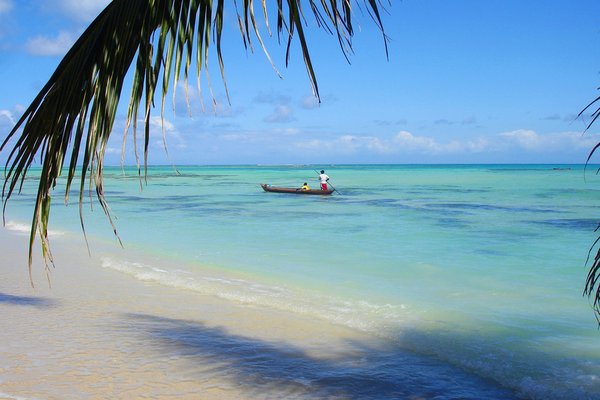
481, 145
83, 10
5, 6
8, 120
402, 142
160, 127
530, 140
405, 142
282, 113
526, 139
310, 102
45, 46
112, 150
163, 124
174, 141
7, 116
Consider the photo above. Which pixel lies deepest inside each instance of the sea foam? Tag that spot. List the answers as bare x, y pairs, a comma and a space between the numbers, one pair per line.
24, 229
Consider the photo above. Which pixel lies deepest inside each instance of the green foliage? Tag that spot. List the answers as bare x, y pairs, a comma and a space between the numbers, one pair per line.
592, 283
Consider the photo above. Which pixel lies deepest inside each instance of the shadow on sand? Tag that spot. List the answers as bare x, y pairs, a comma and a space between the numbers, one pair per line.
278, 370
38, 302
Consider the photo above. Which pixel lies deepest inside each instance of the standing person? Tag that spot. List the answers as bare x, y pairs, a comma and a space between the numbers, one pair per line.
323, 178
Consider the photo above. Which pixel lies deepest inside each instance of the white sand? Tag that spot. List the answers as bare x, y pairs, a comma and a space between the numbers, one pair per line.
97, 333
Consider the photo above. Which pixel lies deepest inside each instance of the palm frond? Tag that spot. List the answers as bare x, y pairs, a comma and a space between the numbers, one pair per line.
75, 111
594, 114
592, 283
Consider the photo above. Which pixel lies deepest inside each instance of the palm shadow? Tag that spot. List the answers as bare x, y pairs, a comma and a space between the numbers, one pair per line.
29, 301
285, 371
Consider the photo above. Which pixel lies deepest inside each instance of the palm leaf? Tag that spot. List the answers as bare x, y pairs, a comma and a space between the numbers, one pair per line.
75, 111
592, 283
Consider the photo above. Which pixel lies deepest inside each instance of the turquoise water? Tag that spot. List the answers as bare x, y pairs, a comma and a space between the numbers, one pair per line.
480, 267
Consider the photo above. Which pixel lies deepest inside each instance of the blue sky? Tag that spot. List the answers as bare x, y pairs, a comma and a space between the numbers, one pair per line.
466, 82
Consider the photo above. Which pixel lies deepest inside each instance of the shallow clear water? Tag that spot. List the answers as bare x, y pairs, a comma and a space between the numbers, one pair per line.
481, 267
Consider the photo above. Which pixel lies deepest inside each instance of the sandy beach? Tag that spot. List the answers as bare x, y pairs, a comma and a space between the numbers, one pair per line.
99, 334
96, 333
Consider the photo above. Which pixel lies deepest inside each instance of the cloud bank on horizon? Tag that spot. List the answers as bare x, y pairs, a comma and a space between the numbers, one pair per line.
466, 83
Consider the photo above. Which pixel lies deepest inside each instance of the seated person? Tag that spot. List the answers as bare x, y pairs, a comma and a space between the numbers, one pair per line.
305, 186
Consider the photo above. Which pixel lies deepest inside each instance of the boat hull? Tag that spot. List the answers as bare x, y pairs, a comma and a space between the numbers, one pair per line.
275, 189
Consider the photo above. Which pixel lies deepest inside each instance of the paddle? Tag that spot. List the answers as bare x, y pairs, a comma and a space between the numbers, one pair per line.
333, 187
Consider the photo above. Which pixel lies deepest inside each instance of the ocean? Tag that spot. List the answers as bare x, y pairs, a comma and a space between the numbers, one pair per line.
471, 274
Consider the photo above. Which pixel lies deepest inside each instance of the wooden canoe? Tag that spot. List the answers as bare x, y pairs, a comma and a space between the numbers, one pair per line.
275, 189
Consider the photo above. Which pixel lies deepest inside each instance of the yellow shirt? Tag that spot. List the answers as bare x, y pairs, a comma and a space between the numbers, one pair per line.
305, 187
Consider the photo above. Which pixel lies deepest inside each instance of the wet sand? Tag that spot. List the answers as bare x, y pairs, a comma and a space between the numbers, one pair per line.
100, 334
96, 333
